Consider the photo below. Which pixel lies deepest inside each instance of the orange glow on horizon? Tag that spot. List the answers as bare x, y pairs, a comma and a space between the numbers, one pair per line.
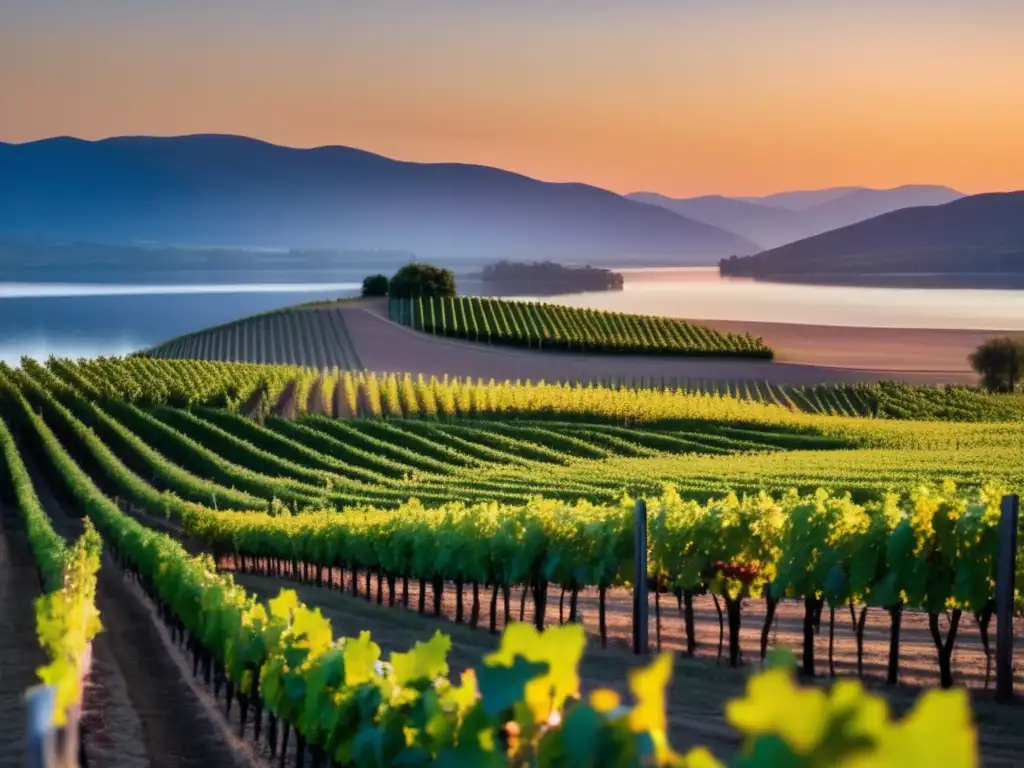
669, 98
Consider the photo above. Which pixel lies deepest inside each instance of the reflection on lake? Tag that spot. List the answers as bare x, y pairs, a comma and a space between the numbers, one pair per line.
78, 320
701, 294
85, 320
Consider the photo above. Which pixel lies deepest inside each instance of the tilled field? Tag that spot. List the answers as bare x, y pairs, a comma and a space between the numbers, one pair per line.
356, 335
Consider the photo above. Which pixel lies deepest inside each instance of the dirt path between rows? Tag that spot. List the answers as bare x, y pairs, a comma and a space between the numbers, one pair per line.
918, 667
315, 398
139, 708
873, 355
20, 654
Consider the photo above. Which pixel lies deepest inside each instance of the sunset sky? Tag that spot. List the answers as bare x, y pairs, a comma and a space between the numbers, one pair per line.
683, 97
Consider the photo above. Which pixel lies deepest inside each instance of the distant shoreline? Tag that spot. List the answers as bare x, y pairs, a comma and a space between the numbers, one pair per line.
948, 280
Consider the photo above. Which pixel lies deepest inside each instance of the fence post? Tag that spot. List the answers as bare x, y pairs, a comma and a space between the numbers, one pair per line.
1005, 578
640, 578
40, 734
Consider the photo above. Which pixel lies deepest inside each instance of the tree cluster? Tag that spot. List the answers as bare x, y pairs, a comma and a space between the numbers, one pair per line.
411, 281
549, 277
1000, 361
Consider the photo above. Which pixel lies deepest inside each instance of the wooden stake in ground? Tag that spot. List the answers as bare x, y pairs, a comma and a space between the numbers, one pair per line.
640, 607
40, 733
1005, 576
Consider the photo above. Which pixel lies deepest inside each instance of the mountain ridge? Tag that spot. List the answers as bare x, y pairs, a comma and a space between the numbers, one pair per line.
225, 189
771, 224
977, 234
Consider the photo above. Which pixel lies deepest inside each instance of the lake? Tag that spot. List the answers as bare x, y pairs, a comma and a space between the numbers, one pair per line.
89, 319
86, 320
699, 293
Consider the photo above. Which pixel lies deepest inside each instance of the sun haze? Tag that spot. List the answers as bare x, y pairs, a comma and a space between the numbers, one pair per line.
682, 97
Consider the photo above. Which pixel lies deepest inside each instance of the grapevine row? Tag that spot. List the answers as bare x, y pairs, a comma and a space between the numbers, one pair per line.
283, 658
549, 326
507, 467
66, 615
322, 543
151, 381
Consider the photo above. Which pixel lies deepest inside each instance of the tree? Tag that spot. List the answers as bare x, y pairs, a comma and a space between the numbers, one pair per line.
375, 285
1000, 361
422, 280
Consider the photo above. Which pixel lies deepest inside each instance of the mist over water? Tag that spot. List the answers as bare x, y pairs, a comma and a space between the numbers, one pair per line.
90, 319
699, 293
87, 320
67, 290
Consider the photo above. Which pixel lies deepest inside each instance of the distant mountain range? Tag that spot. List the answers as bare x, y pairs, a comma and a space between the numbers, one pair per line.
216, 190
798, 200
787, 217
981, 234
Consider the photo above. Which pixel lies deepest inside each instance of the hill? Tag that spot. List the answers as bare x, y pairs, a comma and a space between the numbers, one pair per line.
356, 334
233, 191
764, 224
797, 200
787, 217
982, 234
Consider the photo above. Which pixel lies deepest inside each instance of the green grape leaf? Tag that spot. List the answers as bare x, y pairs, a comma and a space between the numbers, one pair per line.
575, 743
775, 705
648, 688
701, 757
502, 686
560, 648
284, 605
314, 628
477, 747
938, 731
771, 751
426, 661
413, 756
368, 746
836, 587
360, 657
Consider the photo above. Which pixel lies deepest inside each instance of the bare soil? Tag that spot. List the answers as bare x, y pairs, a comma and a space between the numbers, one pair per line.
315, 399
806, 355
251, 406
285, 406
358, 335
342, 410
918, 660
906, 350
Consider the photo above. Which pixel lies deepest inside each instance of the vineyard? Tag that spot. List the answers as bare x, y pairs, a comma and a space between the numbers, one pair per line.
281, 337
548, 326
507, 508
333, 390
357, 335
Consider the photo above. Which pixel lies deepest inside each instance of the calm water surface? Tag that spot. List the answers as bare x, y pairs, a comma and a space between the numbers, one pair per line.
86, 320
700, 294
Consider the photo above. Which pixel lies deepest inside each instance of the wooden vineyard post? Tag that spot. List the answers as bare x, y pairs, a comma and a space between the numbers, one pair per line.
40, 733
640, 578
1005, 577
